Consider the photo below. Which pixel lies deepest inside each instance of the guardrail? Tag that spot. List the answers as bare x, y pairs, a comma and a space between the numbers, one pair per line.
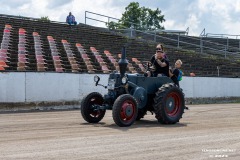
200, 45
230, 36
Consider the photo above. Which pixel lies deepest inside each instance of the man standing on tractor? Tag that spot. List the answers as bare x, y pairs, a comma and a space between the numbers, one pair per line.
160, 66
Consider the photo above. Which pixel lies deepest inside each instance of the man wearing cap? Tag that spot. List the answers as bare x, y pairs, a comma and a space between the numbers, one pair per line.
160, 66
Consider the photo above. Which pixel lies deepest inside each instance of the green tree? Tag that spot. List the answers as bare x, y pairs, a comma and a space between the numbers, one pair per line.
44, 19
141, 18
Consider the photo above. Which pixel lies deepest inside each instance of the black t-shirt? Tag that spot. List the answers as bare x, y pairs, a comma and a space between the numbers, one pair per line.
175, 76
158, 68
175, 73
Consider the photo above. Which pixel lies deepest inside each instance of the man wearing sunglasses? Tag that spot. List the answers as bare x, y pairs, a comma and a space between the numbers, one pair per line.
160, 66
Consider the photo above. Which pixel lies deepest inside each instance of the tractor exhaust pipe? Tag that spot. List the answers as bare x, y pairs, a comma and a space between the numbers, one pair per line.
123, 62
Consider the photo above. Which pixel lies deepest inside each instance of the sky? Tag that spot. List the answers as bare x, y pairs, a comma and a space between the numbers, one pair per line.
216, 16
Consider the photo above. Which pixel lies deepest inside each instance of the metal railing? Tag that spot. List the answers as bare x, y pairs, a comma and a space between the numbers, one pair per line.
214, 35
222, 36
183, 42
196, 44
108, 20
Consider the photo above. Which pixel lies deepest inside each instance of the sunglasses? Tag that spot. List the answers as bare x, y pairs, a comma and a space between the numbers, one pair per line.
159, 50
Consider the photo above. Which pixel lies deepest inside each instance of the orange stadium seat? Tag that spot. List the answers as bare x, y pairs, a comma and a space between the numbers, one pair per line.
3, 64
21, 64
2, 68
7, 26
59, 69
3, 59
41, 61
4, 55
21, 68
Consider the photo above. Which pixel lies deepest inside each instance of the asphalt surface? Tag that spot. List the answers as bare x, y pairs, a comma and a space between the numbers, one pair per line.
204, 132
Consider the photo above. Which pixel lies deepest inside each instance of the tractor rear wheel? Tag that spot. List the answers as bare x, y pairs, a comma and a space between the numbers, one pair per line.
125, 110
89, 108
169, 104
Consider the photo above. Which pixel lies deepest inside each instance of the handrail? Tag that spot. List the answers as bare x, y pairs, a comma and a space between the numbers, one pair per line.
221, 35
101, 15
223, 50
86, 17
202, 34
187, 30
196, 39
200, 41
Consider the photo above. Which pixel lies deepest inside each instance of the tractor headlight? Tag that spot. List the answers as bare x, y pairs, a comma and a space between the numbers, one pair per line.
111, 84
124, 80
96, 78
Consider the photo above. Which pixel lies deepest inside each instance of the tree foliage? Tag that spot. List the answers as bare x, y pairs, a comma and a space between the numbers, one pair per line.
44, 19
140, 18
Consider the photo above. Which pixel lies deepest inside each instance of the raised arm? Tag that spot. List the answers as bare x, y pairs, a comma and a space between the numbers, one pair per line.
162, 64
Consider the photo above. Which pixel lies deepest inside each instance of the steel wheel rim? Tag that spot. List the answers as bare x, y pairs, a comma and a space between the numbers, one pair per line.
128, 111
173, 104
94, 101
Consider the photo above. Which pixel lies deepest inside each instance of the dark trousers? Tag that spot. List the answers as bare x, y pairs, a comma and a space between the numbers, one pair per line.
72, 23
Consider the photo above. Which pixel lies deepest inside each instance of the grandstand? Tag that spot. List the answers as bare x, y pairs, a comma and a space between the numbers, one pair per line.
30, 45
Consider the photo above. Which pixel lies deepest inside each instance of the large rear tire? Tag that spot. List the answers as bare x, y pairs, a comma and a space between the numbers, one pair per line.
169, 104
88, 108
125, 110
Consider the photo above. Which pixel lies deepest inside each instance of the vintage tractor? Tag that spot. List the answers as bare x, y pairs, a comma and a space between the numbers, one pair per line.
130, 96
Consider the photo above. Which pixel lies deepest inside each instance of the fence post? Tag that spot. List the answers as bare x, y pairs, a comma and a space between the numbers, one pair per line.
225, 51
85, 17
108, 24
178, 41
227, 42
155, 39
239, 44
131, 32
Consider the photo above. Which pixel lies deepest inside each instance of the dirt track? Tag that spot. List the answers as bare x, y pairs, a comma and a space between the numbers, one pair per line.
205, 132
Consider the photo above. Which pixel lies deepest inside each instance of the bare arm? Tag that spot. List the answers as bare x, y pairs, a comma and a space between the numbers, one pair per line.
162, 64
170, 73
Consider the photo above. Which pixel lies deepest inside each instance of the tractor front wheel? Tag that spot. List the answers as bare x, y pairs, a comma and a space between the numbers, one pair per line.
125, 110
90, 108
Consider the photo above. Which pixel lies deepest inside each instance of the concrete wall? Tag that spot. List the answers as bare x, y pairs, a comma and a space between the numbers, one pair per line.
54, 87
202, 87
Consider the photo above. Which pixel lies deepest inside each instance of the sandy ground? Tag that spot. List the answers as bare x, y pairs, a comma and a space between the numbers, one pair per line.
205, 132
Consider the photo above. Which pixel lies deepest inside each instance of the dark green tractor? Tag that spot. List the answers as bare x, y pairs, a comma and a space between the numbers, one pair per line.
130, 96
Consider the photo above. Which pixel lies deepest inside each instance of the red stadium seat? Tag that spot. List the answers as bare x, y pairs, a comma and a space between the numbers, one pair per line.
3, 64
2, 68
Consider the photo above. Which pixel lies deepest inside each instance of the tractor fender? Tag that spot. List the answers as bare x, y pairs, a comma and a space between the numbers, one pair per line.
140, 94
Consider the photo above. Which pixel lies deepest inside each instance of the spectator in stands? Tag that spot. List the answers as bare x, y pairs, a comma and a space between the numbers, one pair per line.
71, 19
176, 74
160, 65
